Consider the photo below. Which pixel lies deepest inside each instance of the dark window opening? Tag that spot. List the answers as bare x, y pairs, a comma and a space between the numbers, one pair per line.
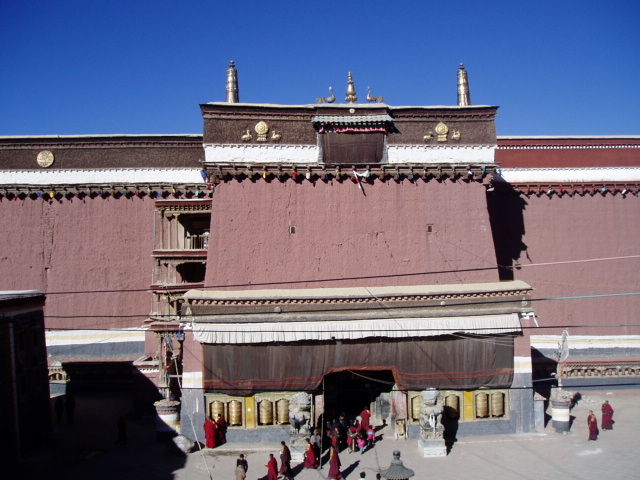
191, 272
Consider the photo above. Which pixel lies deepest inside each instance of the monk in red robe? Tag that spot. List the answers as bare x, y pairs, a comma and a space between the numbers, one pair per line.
365, 421
592, 422
285, 461
222, 430
310, 460
334, 464
272, 468
607, 416
210, 433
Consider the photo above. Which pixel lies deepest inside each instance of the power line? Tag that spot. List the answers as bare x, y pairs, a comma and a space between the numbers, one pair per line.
517, 266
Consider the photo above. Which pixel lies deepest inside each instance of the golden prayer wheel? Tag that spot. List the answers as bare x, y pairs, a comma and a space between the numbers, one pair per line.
217, 408
282, 410
416, 407
265, 412
235, 412
452, 406
497, 404
482, 405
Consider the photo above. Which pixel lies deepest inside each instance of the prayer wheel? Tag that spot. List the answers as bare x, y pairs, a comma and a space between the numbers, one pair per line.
482, 405
265, 412
217, 408
416, 407
282, 411
235, 412
497, 404
452, 406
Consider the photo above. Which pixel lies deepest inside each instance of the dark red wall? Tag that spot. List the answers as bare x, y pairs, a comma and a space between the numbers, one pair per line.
581, 228
345, 237
76, 246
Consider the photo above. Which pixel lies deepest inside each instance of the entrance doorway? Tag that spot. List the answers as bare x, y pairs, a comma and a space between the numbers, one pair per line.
349, 391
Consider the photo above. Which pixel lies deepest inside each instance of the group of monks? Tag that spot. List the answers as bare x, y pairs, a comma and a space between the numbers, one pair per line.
607, 420
215, 432
285, 464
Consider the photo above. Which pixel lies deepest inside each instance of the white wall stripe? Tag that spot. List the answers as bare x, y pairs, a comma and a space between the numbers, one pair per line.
101, 176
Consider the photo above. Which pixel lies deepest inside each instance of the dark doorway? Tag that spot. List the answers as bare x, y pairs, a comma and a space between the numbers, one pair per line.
347, 392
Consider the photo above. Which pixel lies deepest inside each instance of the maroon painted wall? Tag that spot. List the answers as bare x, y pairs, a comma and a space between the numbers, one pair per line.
580, 228
346, 238
80, 245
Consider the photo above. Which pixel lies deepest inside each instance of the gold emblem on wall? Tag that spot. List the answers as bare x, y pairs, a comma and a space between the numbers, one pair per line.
261, 129
442, 130
246, 137
455, 134
45, 158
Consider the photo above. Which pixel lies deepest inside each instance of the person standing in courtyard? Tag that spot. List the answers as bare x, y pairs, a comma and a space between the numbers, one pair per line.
272, 468
285, 461
221, 430
592, 422
365, 421
210, 433
242, 462
310, 456
607, 416
334, 464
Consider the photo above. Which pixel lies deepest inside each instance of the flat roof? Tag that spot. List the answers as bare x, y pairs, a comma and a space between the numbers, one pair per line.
362, 292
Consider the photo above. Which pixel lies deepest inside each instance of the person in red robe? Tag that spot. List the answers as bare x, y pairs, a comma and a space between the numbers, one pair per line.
352, 433
285, 461
210, 433
607, 416
272, 468
310, 460
334, 464
592, 422
365, 415
222, 430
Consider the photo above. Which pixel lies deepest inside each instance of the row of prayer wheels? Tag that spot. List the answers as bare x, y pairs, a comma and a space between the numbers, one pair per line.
266, 412
482, 404
452, 405
231, 411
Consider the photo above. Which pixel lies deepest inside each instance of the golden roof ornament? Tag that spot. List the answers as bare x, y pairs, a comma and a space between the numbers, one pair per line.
330, 99
464, 95
351, 97
233, 95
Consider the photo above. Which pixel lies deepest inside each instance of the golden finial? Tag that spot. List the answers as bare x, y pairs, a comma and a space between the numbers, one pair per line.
233, 95
464, 95
351, 97
372, 98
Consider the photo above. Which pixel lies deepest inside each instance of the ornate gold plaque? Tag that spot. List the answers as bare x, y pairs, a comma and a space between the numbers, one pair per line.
261, 129
45, 158
442, 130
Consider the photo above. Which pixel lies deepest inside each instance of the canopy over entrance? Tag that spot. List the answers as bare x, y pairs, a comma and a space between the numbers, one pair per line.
465, 362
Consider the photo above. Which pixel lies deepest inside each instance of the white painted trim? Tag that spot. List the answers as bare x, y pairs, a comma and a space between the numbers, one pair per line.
581, 342
431, 154
572, 175
101, 176
84, 337
192, 379
234, 333
522, 365
255, 153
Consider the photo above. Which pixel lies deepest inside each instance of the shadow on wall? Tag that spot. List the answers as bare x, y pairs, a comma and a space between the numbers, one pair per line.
506, 208
105, 424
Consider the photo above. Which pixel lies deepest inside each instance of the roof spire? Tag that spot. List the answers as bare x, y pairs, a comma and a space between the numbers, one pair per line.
464, 95
351, 97
232, 83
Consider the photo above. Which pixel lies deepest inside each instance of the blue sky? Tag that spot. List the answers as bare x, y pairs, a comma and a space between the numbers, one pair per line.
88, 67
